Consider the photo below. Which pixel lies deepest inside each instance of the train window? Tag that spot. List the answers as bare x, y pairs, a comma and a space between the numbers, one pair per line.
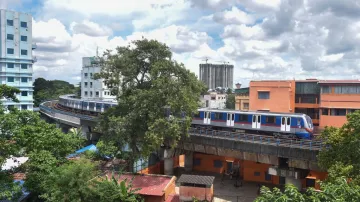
254, 119
283, 121
243, 117
288, 121
258, 119
218, 116
298, 121
270, 119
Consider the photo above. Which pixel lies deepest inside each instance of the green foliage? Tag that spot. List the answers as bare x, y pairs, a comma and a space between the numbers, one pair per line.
9, 92
70, 182
229, 91
106, 149
145, 79
230, 101
337, 190
50, 90
343, 153
111, 190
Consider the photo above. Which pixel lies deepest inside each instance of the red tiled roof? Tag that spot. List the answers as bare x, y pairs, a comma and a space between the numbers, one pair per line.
173, 198
19, 176
152, 185
338, 81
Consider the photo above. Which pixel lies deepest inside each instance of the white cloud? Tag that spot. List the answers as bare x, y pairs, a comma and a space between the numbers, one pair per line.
90, 28
264, 39
233, 16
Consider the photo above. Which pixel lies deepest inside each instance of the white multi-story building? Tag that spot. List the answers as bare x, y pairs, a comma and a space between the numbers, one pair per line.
91, 88
16, 59
214, 100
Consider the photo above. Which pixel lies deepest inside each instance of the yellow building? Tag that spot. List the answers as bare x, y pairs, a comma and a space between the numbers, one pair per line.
242, 99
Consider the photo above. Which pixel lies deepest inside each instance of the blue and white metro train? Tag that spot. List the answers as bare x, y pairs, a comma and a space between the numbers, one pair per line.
283, 124
85, 105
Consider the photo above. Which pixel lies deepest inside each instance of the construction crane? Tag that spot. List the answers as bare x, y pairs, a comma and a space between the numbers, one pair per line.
224, 62
206, 59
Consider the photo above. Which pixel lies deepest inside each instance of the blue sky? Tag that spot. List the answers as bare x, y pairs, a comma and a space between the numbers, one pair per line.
278, 39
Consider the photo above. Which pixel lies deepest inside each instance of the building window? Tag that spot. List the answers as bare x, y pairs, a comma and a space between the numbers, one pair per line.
97, 93
351, 111
23, 107
90, 75
10, 22
267, 176
10, 37
256, 173
10, 51
246, 105
23, 66
10, 65
24, 93
85, 93
325, 89
85, 75
90, 93
10, 79
263, 95
10, 107
197, 162
325, 112
338, 112
23, 38
24, 52
90, 84
85, 84
270, 119
24, 79
243, 117
23, 24
217, 164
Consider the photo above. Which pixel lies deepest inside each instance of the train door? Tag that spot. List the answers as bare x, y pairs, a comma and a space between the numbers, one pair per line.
285, 124
207, 117
256, 121
230, 119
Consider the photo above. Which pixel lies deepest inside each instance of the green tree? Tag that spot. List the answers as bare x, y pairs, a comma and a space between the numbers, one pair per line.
51, 89
113, 190
343, 143
145, 79
70, 182
337, 190
230, 101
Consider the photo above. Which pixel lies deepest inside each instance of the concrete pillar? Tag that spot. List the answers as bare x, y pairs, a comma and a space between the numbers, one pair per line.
189, 159
168, 166
85, 131
295, 182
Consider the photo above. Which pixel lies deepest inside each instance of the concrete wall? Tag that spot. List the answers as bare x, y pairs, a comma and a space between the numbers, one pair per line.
240, 100
282, 96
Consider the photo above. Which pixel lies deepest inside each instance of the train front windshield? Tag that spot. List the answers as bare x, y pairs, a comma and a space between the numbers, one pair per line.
309, 121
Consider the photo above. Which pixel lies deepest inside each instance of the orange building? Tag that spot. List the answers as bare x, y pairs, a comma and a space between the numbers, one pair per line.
338, 98
272, 96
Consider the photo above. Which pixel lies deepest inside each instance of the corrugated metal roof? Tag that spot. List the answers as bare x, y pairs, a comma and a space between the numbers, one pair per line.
338, 81
197, 179
152, 185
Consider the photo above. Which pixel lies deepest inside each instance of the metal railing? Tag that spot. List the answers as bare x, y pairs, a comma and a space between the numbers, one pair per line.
260, 139
51, 111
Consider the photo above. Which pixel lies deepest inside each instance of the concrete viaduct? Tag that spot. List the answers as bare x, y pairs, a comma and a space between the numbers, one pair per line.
289, 158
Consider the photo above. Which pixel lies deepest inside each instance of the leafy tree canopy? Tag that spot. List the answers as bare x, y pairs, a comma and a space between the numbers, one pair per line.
51, 89
145, 79
230, 101
337, 190
343, 155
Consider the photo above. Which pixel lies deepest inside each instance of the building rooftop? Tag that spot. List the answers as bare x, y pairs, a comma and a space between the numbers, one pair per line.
339, 81
242, 90
197, 179
151, 185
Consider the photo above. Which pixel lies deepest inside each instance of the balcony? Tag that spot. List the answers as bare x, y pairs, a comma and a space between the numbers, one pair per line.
34, 46
307, 101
